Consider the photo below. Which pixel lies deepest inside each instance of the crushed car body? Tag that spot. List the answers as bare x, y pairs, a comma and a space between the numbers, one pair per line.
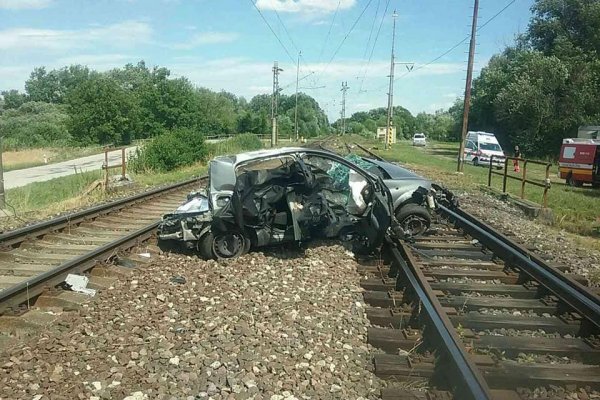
269, 197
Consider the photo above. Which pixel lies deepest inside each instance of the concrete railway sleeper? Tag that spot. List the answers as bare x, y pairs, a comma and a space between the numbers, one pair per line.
461, 312
465, 313
36, 258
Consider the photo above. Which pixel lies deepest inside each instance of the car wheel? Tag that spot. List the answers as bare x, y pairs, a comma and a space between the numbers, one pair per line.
414, 219
229, 245
476, 162
573, 182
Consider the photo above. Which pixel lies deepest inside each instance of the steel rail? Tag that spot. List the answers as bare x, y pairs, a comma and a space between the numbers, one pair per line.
42, 228
369, 152
571, 292
30, 288
26, 290
470, 384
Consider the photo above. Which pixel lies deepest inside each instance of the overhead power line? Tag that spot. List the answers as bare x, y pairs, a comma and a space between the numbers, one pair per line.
272, 31
329, 31
299, 80
387, 4
495, 15
350, 31
286, 31
451, 49
463, 40
346, 36
372, 27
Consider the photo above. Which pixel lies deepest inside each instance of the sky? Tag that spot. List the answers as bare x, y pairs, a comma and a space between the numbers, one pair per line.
232, 44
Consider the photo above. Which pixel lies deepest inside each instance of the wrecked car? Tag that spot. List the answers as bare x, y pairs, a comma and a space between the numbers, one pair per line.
269, 197
409, 210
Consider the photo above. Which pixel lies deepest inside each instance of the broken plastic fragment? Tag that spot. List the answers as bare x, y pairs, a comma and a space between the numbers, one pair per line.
78, 283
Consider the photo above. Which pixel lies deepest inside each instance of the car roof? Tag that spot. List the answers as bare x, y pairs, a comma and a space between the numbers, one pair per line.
222, 168
235, 159
395, 171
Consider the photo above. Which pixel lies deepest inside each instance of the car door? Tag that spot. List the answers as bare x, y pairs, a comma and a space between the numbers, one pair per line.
363, 196
470, 150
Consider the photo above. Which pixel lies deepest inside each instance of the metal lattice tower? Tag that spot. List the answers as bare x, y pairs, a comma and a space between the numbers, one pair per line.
343, 113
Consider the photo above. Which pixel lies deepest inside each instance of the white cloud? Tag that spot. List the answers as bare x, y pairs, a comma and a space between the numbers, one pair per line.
121, 34
433, 107
98, 61
207, 38
24, 4
305, 6
436, 69
450, 95
246, 77
261, 89
14, 76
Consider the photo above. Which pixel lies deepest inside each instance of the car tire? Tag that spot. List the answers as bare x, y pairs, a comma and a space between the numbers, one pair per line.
414, 219
573, 182
230, 245
476, 162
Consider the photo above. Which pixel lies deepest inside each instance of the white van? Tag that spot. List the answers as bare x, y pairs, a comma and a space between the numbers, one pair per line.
481, 146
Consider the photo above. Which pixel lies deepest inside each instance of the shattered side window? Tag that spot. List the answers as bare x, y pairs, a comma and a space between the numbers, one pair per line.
264, 164
340, 184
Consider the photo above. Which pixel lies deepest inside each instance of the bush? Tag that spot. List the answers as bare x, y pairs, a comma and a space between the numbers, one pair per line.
237, 144
34, 124
171, 150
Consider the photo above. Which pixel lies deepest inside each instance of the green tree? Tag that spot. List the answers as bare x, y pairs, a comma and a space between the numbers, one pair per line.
102, 112
35, 124
13, 99
540, 90
54, 86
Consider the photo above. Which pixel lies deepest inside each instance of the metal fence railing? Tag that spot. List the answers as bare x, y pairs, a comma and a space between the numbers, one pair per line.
545, 184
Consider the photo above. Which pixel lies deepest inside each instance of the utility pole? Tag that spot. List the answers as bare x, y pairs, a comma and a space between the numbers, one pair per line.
274, 103
2, 195
467, 103
296, 109
344, 90
388, 131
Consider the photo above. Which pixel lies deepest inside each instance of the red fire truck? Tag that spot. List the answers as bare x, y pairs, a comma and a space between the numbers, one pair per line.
579, 161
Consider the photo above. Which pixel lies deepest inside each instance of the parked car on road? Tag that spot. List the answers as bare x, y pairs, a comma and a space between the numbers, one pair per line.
267, 197
419, 139
480, 148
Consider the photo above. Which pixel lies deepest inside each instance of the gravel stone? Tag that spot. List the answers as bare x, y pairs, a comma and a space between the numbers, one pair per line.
554, 245
286, 324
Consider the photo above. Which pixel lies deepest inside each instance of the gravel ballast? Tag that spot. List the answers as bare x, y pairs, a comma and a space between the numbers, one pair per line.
554, 245
282, 325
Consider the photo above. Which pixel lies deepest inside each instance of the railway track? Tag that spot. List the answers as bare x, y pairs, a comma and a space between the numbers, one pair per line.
469, 314
36, 258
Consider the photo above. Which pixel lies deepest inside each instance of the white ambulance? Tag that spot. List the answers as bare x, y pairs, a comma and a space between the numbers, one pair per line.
481, 146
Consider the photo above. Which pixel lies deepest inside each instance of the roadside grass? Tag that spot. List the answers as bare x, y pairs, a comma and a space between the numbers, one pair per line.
574, 209
41, 200
53, 196
20, 159
165, 178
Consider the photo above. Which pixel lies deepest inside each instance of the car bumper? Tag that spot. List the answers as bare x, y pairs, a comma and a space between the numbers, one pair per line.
180, 227
496, 162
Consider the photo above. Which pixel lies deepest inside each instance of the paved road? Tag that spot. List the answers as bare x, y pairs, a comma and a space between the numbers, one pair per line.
22, 177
